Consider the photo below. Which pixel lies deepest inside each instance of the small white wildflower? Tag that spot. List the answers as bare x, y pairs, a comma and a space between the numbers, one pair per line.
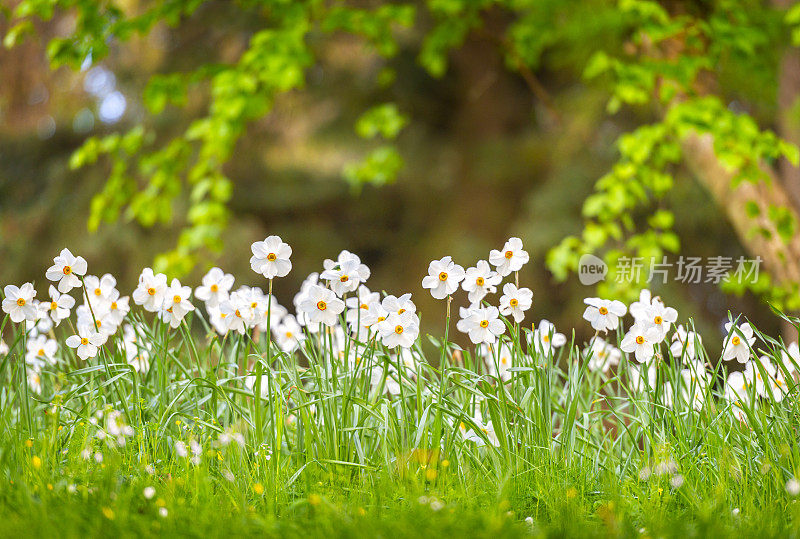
149, 492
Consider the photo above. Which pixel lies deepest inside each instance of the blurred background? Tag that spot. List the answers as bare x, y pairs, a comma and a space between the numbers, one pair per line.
485, 159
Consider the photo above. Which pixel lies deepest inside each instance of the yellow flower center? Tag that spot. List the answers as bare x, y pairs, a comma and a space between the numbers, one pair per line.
736, 340
639, 340
84, 341
398, 329
98, 292
344, 278
289, 334
364, 306
40, 352
401, 311
484, 323
509, 254
658, 320
513, 302
479, 281
381, 318
254, 305
237, 313
603, 311
176, 299
271, 257
151, 291
321, 305
67, 270
214, 288
113, 305
53, 305
546, 338
443, 276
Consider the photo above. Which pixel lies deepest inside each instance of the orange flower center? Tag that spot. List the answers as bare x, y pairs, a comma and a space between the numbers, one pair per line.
176, 299
443, 276
344, 278
658, 320
365, 306
84, 341
214, 288
40, 352
479, 281
98, 292
321, 305
484, 323
509, 254
639, 340
603, 310
53, 305
21, 302
736, 340
271, 257
67, 270
113, 305
237, 313
513, 302
398, 329
151, 291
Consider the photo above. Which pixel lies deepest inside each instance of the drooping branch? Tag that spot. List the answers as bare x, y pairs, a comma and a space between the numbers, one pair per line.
758, 233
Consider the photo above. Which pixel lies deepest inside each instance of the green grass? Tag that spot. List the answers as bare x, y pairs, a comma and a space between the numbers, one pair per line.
328, 451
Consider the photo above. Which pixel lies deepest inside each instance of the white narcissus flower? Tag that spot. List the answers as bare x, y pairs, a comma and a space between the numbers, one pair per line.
399, 305
117, 309
59, 306
604, 314
176, 303
322, 306
215, 288
499, 358
359, 317
510, 259
271, 257
739, 342
443, 277
684, 343
252, 304
345, 274
640, 341
3, 348
86, 342
602, 356
19, 304
737, 391
639, 308
483, 325
399, 330
479, 281
231, 316
35, 380
515, 301
150, 291
790, 358
99, 291
288, 333
753, 374
659, 317
40, 351
545, 337
137, 353
65, 271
